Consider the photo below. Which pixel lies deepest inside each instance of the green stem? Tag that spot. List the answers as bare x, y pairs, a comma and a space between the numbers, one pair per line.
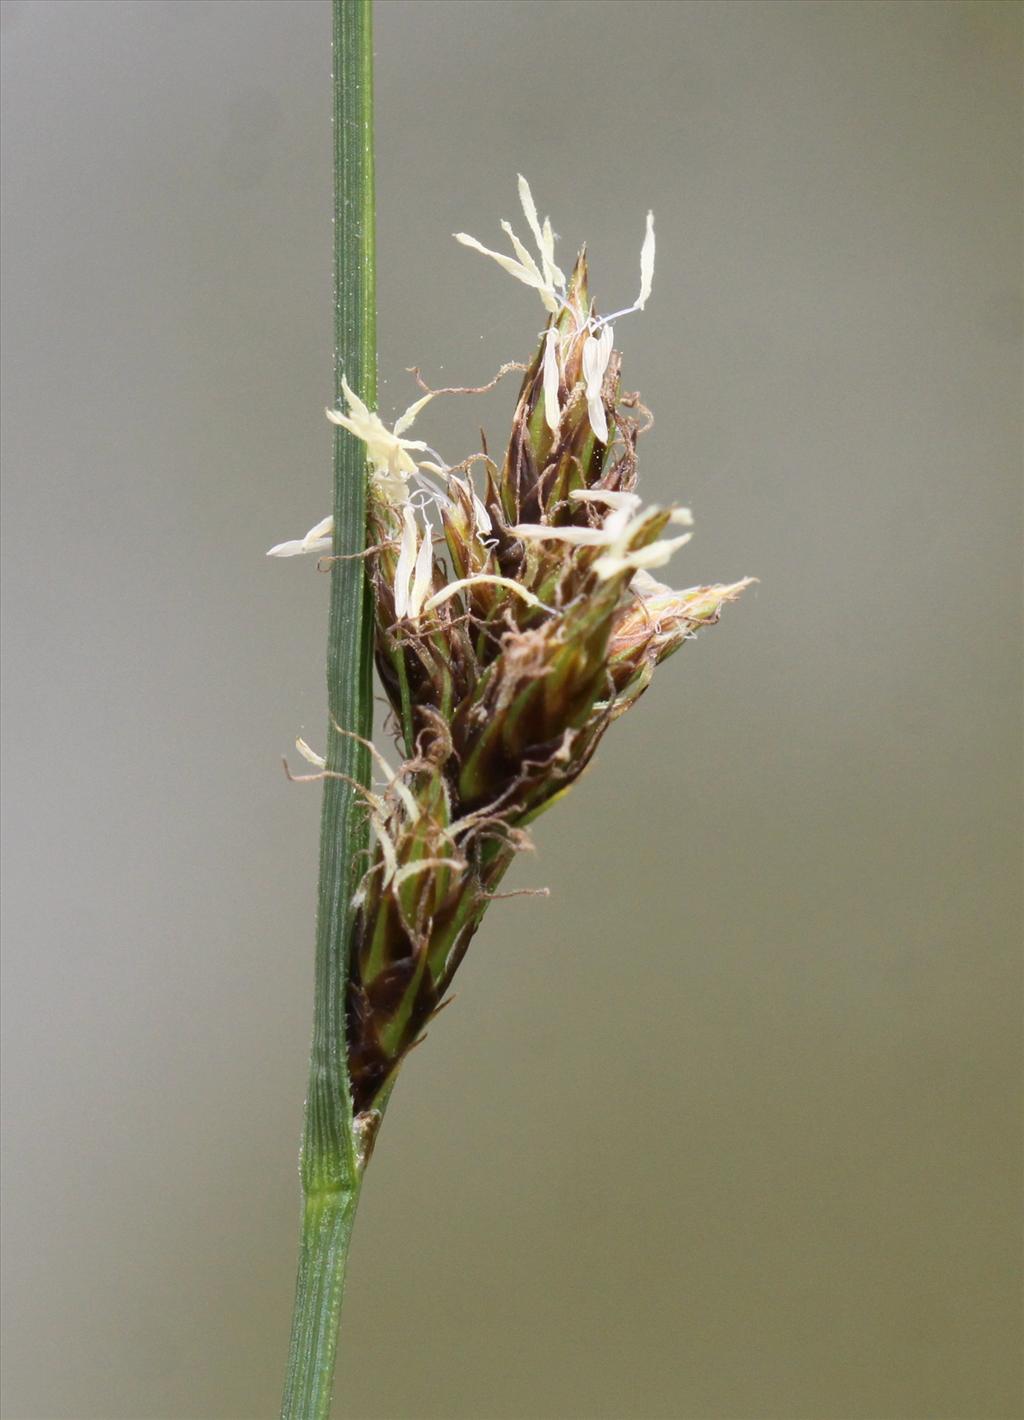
330, 1168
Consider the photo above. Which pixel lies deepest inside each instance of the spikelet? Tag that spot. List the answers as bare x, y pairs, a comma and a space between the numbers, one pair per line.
506, 642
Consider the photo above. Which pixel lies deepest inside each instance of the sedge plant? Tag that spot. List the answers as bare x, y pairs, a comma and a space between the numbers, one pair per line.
510, 608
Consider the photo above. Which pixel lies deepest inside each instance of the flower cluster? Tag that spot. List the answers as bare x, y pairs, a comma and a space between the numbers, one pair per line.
515, 618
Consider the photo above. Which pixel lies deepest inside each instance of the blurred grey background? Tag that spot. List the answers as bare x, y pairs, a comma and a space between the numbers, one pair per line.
729, 1128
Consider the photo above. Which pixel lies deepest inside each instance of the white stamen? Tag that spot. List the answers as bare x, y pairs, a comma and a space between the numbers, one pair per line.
577, 537
524, 255
320, 538
646, 264
405, 420
457, 586
616, 533
410, 870
611, 497
406, 562
310, 755
549, 280
644, 585
548, 251
530, 210
596, 353
514, 268
388, 455
423, 575
483, 517
655, 554
393, 776
387, 847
